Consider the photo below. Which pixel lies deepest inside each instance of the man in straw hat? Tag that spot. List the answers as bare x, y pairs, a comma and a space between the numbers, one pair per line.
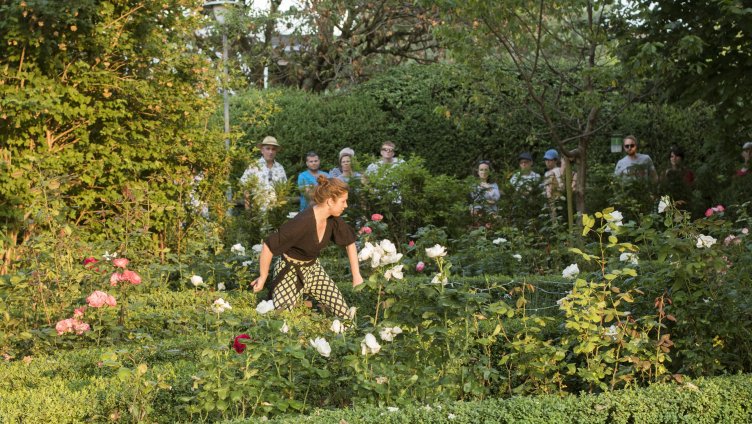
261, 176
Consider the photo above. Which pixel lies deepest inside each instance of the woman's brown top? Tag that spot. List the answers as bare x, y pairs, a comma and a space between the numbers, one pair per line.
297, 238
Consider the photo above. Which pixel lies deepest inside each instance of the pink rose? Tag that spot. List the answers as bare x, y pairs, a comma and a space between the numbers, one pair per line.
99, 299
366, 230
114, 278
120, 262
420, 266
411, 244
719, 208
79, 312
709, 212
377, 217
131, 277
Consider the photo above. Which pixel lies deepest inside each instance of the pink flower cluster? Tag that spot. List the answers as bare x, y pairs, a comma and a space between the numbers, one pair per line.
715, 209
99, 299
127, 276
71, 325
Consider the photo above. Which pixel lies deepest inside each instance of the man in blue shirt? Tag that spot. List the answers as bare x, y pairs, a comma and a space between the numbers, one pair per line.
307, 178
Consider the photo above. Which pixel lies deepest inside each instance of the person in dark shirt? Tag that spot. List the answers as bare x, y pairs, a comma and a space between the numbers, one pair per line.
299, 242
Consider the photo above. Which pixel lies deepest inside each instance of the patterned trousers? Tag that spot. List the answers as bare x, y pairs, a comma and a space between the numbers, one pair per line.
303, 278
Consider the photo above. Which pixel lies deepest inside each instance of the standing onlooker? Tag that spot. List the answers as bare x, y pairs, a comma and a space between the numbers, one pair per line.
486, 194
260, 177
635, 165
747, 155
307, 179
553, 179
525, 178
387, 157
345, 170
678, 179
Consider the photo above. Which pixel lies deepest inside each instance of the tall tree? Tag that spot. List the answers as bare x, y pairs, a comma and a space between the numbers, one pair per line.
558, 52
103, 110
325, 43
694, 50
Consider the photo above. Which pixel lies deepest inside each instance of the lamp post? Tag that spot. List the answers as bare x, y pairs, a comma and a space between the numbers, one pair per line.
218, 8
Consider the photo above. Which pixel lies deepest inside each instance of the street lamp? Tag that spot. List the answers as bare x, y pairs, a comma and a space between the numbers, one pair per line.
219, 8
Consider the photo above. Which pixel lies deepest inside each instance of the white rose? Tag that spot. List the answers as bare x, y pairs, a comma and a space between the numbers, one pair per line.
366, 252
220, 305
387, 334
436, 251
257, 248
265, 306
517, 256
388, 247
437, 279
571, 271
391, 258
615, 217
337, 327
395, 273
247, 263
321, 346
221, 287
196, 280
292, 215
705, 241
238, 249
369, 345
629, 257
285, 329
499, 241
663, 203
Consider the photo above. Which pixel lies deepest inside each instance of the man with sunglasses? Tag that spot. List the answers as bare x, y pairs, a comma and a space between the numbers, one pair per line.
635, 165
261, 176
387, 158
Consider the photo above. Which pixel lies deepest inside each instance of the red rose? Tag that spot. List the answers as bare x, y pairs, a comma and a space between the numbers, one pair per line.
237, 345
90, 260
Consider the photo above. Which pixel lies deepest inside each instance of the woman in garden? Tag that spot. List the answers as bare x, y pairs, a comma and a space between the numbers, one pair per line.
345, 170
486, 193
678, 179
299, 242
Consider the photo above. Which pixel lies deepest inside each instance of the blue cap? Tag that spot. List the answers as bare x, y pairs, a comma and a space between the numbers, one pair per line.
551, 154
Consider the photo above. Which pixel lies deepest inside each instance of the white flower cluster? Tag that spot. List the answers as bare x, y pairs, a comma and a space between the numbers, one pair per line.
383, 253
238, 249
704, 241
265, 306
220, 305
499, 241
109, 256
388, 334
369, 345
571, 271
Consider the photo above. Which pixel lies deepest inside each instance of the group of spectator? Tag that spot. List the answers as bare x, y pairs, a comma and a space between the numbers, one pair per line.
267, 172
262, 175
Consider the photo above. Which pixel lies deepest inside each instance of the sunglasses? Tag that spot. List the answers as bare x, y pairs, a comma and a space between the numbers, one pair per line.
386, 149
630, 146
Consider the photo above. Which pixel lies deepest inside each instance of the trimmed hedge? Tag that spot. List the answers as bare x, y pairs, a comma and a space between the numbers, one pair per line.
713, 400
